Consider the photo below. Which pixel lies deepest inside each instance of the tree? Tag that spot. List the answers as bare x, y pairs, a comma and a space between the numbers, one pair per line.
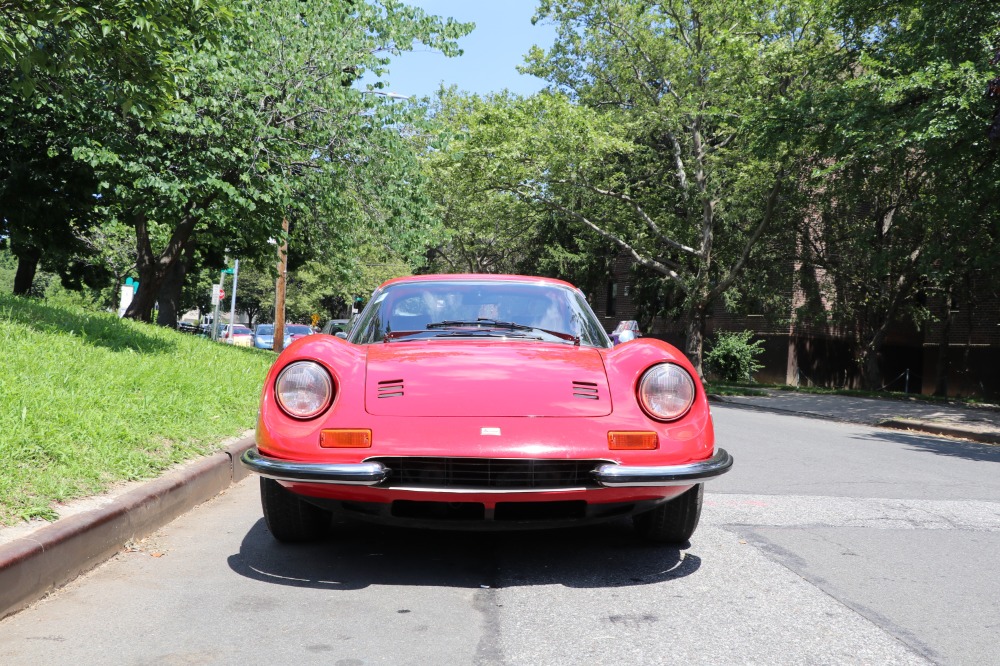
491, 230
45, 194
905, 200
87, 58
662, 140
132, 46
267, 126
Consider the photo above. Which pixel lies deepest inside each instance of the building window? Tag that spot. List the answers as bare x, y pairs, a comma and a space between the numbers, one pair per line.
612, 299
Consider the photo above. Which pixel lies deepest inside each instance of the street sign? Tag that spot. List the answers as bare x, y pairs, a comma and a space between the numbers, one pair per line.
216, 293
222, 293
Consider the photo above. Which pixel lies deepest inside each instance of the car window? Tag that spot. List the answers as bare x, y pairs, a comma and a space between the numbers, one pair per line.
298, 330
413, 306
265, 329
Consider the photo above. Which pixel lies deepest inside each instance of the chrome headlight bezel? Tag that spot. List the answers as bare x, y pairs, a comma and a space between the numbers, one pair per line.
666, 392
304, 390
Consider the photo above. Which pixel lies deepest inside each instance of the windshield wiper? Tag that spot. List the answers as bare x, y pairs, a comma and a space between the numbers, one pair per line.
395, 335
510, 325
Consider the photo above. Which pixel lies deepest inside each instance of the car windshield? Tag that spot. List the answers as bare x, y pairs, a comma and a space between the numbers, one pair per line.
265, 329
298, 329
241, 330
451, 309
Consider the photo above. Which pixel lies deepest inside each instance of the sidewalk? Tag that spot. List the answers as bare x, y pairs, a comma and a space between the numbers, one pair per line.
980, 424
38, 558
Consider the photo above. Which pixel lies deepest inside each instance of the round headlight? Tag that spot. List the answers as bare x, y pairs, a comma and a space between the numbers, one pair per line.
304, 389
666, 392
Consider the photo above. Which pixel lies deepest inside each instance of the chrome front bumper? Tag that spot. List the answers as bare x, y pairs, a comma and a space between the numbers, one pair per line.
373, 473
353, 474
621, 476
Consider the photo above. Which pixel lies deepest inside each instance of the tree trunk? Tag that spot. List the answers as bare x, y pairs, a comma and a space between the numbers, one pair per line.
27, 266
941, 375
152, 269
169, 297
694, 338
872, 374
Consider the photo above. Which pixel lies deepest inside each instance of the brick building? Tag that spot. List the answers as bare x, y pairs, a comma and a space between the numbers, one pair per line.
799, 353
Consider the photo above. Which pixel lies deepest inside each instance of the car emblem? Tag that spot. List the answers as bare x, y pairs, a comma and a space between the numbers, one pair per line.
490, 431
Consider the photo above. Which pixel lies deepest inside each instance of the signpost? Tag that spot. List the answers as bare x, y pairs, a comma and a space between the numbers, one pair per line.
218, 296
128, 292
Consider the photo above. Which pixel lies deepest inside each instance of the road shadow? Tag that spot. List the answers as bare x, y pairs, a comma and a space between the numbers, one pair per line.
862, 411
953, 448
357, 555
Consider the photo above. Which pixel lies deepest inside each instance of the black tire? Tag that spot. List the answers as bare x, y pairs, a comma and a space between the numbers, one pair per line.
672, 522
289, 518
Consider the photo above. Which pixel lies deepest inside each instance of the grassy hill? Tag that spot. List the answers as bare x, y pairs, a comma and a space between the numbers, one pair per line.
88, 400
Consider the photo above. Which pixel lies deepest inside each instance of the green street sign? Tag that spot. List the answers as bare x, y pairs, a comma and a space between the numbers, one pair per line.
227, 271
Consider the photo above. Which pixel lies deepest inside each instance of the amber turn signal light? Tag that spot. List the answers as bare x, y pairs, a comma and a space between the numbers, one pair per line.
345, 439
619, 440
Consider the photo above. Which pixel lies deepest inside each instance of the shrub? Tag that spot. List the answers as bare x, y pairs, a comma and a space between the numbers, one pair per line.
733, 358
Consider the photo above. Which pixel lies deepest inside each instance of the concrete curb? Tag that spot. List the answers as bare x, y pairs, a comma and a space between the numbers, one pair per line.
33, 566
946, 431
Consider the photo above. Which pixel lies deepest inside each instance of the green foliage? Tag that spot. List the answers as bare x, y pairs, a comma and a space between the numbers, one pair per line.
905, 183
489, 229
733, 358
239, 151
658, 136
88, 400
133, 46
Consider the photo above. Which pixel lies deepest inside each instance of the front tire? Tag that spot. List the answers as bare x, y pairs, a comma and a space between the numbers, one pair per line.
288, 518
672, 522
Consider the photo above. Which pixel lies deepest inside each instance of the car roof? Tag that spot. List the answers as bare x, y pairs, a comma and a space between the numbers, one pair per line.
477, 277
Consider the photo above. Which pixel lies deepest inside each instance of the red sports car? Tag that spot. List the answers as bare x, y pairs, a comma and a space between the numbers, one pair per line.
482, 401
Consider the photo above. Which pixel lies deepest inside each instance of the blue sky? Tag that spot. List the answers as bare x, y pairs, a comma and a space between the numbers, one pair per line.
493, 50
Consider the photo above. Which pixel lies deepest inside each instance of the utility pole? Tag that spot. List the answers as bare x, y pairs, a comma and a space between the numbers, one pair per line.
279, 289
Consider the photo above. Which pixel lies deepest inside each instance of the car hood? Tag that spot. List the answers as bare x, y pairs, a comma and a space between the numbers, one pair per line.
472, 378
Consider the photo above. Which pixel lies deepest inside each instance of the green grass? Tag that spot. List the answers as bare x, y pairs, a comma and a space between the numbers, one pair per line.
88, 400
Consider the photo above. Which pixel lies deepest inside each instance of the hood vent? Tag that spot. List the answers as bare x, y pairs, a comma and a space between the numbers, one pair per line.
586, 390
390, 388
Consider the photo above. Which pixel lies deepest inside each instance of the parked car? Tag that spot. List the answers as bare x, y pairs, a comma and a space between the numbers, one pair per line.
296, 331
236, 335
334, 326
482, 401
263, 336
625, 331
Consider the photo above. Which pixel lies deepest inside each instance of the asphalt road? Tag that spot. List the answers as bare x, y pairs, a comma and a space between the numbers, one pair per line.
828, 544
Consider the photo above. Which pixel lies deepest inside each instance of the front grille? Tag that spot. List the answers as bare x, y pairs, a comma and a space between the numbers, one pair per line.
488, 473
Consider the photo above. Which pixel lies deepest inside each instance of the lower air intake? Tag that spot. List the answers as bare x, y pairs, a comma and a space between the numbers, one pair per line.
488, 473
